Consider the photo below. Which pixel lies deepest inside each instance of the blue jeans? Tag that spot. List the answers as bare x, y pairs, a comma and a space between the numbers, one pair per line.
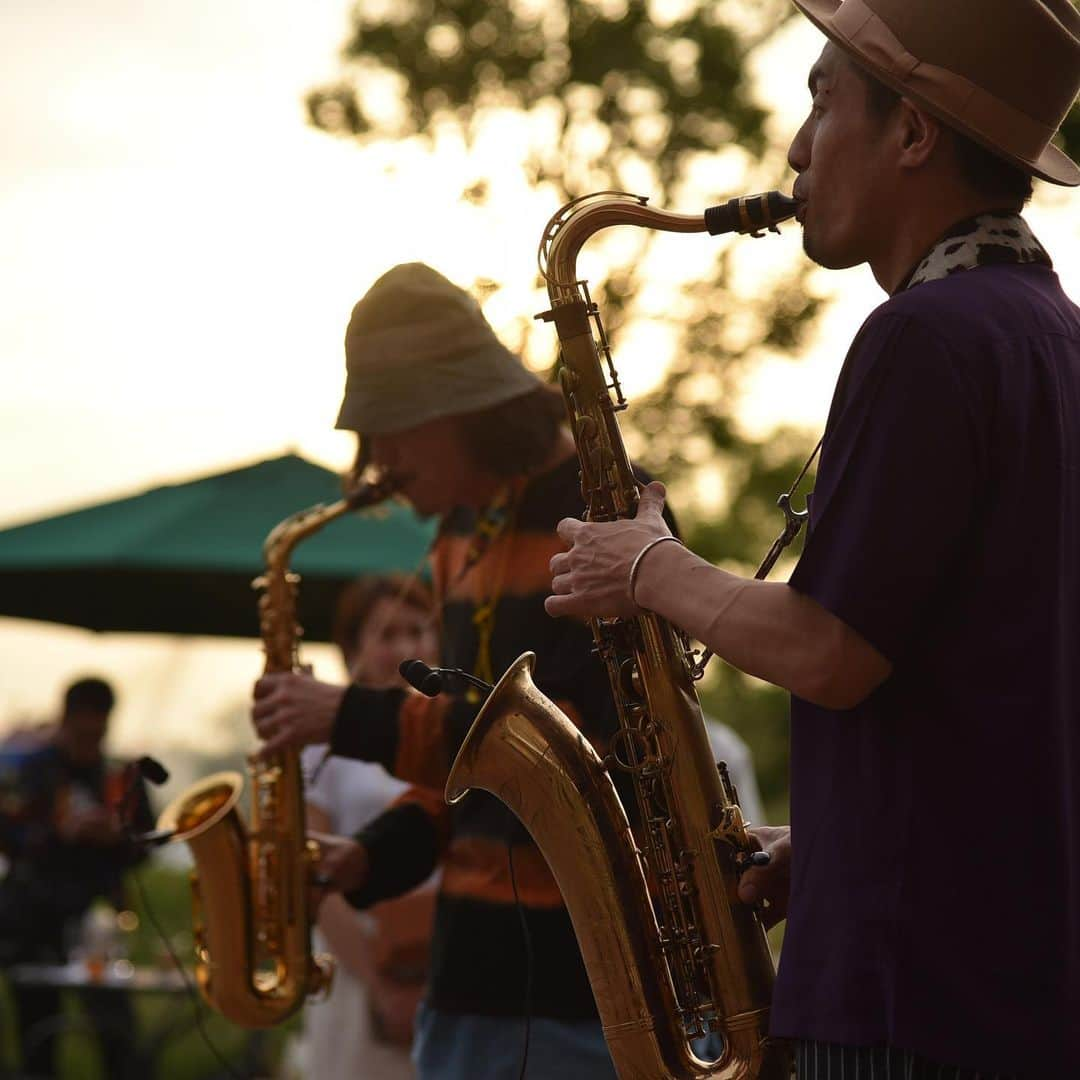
463, 1046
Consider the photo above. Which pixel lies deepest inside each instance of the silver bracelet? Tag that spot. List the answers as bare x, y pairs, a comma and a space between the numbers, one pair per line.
636, 564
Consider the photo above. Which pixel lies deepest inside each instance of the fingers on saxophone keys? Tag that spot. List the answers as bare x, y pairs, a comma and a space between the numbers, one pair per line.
265, 710
557, 606
283, 740
652, 500
267, 684
562, 585
569, 528
263, 719
267, 718
559, 564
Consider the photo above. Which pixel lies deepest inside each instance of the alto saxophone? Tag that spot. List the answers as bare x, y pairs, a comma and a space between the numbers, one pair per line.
670, 951
251, 916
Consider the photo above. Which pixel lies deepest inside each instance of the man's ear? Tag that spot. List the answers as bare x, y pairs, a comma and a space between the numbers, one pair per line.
917, 132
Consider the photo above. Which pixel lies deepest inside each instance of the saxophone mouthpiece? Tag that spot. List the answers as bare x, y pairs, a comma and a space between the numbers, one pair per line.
750, 214
369, 487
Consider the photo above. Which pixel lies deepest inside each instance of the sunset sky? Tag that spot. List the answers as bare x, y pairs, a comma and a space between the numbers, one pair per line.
180, 254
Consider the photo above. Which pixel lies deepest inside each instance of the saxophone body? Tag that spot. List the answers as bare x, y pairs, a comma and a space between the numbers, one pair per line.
251, 916
671, 952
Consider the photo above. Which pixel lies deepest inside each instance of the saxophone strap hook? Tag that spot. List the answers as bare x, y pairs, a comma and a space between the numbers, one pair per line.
793, 523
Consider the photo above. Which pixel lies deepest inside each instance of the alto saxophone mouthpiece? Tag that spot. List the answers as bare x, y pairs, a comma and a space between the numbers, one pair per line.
750, 214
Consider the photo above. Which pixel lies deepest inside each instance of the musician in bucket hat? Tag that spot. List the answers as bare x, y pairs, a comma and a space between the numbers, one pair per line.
472, 437
930, 632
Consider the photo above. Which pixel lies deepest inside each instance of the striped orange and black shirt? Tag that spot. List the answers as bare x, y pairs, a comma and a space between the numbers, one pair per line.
478, 950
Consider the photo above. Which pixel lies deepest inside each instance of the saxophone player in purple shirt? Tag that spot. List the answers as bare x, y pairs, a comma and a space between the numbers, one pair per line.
930, 633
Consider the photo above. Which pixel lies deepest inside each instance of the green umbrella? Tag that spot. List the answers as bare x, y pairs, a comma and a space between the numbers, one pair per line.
180, 559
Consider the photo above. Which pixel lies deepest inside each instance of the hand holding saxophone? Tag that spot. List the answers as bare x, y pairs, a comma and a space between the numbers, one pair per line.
595, 578
342, 865
293, 709
769, 885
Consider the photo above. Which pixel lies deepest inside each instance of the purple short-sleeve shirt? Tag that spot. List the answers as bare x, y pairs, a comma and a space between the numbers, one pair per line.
936, 827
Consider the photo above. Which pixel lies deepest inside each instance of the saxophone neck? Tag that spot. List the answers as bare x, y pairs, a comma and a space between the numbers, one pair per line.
278, 624
370, 490
587, 373
572, 226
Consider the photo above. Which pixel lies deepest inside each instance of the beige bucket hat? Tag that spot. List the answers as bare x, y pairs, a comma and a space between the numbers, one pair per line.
1004, 72
418, 348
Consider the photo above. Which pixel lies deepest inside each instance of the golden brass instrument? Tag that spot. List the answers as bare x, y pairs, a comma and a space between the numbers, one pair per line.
251, 916
670, 951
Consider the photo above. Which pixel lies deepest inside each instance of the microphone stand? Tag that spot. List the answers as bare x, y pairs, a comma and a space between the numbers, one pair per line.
151, 769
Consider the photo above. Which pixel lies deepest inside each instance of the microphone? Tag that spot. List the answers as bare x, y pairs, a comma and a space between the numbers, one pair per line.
151, 769
430, 681
421, 677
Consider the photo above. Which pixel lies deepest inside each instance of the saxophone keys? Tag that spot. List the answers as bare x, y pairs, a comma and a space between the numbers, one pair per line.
321, 974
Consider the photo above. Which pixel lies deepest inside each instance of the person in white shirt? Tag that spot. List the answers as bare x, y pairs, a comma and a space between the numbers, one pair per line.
363, 1029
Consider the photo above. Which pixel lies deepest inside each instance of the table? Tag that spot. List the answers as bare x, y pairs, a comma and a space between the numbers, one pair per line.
121, 975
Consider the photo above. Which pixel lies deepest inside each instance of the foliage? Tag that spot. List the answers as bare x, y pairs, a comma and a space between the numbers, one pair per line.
1069, 139
615, 94
626, 82
635, 95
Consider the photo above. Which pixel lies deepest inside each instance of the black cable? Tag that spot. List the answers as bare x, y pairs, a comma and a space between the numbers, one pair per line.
528, 959
196, 1001
327, 753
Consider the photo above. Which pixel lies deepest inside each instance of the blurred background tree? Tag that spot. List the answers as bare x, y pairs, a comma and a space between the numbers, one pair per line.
657, 97
1069, 140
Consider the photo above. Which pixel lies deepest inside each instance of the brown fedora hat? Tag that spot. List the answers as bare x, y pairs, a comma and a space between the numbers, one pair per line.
1004, 72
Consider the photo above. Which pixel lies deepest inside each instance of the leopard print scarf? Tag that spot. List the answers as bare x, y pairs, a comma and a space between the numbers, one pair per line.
990, 239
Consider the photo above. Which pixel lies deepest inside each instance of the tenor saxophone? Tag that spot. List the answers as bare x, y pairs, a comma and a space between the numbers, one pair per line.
251, 916
670, 951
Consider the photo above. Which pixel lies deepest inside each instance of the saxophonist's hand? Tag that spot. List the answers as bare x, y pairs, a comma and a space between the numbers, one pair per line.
593, 577
342, 866
293, 709
769, 885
